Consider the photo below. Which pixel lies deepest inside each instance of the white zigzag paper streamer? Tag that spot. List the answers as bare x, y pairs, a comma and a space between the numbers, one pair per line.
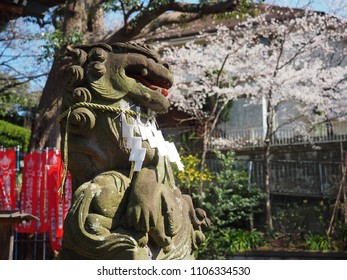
154, 137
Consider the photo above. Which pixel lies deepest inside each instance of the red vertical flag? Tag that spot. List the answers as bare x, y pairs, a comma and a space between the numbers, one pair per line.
8, 190
67, 197
57, 206
28, 200
49, 159
42, 176
54, 204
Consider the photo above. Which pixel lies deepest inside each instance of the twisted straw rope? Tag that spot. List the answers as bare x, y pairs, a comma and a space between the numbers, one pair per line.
105, 108
67, 115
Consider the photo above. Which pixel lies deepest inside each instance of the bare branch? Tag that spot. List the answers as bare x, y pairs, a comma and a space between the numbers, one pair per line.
17, 83
221, 69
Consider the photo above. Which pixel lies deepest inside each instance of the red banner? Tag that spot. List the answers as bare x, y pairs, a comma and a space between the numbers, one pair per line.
49, 159
29, 192
67, 197
54, 204
8, 184
58, 206
42, 175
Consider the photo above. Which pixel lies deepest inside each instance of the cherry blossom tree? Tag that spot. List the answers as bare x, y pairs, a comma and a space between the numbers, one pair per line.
296, 62
82, 22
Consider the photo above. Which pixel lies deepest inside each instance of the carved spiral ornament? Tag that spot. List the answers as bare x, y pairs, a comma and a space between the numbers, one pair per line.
82, 94
76, 75
81, 119
96, 70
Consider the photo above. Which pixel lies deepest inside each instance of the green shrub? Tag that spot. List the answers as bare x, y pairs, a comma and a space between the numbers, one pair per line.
318, 242
230, 202
341, 234
242, 240
224, 243
12, 135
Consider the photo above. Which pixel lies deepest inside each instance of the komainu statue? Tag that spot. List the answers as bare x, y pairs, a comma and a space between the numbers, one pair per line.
125, 202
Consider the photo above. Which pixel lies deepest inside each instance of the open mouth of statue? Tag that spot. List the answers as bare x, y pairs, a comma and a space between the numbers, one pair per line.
156, 84
150, 85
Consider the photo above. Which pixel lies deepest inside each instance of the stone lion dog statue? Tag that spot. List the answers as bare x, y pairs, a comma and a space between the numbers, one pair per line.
125, 203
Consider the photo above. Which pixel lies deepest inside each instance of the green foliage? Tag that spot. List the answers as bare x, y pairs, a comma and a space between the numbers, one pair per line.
246, 8
188, 141
318, 242
57, 40
230, 202
16, 101
341, 234
126, 6
13, 135
236, 199
291, 218
294, 221
242, 240
224, 243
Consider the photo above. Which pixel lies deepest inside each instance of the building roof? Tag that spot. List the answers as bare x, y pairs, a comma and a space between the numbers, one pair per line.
180, 33
12, 9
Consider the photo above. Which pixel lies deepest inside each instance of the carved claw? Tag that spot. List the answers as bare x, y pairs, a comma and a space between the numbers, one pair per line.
172, 216
139, 218
197, 216
199, 238
201, 215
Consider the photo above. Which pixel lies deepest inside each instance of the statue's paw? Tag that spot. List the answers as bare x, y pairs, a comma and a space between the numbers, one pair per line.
159, 237
142, 239
171, 213
197, 216
139, 218
199, 238
202, 217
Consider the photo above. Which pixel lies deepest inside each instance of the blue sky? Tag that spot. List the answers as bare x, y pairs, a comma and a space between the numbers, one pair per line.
319, 5
329, 6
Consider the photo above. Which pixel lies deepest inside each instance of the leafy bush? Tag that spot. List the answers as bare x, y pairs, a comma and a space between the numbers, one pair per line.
341, 234
231, 192
224, 243
13, 135
318, 242
229, 201
291, 218
242, 240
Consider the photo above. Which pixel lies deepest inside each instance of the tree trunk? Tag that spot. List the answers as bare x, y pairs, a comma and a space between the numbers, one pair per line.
266, 163
45, 131
266, 183
205, 139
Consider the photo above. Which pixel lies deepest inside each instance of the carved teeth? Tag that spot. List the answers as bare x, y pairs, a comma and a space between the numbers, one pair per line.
144, 72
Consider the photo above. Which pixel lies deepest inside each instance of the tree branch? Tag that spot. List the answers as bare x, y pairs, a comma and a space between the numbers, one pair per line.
169, 19
155, 9
17, 83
